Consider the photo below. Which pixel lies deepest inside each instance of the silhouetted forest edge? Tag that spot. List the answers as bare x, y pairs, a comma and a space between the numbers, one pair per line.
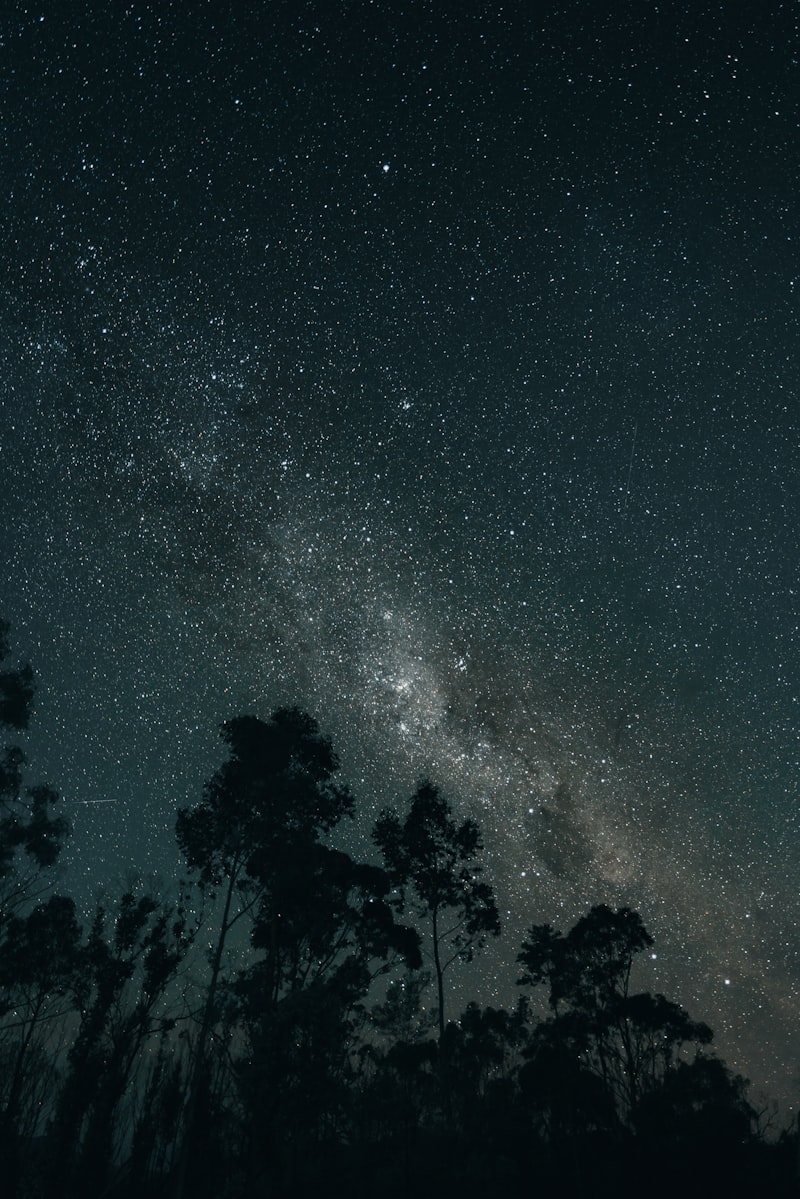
281, 1025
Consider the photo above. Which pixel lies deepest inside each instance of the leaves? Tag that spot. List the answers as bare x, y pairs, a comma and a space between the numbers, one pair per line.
589, 967
435, 859
31, 836
40, 950
17, 688
275, 790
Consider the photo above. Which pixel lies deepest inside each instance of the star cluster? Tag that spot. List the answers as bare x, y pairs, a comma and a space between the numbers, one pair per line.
432, 367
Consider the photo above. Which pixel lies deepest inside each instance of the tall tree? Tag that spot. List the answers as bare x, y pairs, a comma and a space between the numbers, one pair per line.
38, 970
275, 791
123, 972
323, 932
266, 807
435, 864
39, 966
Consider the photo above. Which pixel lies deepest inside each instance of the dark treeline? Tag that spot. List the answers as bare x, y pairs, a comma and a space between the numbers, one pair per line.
282, 1027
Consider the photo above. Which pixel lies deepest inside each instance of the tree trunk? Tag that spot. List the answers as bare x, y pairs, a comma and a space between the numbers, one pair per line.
179, 1180
437, 961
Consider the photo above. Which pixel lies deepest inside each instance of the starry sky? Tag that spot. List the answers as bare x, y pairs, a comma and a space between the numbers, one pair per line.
431, 366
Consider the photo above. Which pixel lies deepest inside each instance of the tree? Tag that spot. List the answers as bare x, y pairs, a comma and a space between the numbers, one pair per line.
256, 831
400, 1015
625, 1042
38, 969
30, 836
17, 687
323, 931
274, 793
590, 968
323, 917
121, 976
39, 966
435, 860
36, 938
700, 1126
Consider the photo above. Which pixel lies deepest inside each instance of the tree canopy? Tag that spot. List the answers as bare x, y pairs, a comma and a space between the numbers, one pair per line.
434, 862
263, 1032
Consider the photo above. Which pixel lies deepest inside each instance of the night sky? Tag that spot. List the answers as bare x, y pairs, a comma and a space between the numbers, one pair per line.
434, 367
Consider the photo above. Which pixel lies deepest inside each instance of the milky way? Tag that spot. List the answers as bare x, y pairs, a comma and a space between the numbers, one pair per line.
438, 375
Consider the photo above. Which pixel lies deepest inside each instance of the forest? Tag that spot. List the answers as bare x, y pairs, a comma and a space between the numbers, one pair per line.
282, 1024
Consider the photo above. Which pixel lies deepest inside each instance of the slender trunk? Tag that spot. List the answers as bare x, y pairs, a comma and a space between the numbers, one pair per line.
630, 1067
77, 1093
444, 1070
16, 1082
195, 1073
272, 966
437, 961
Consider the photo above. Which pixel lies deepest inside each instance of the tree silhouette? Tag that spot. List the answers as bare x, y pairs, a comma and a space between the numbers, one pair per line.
626, 1042
323, 932
39, 966
254, 835
121, 976
399, 1016
17, 687
434, 860
273, 795
483, 1055
700, 1126
31, 838
283, 1069
37, 939
590, 968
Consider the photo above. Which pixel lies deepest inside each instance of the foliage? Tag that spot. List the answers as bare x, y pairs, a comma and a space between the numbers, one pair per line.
130, 1065
276, 788
320, 925
31, 837
124, 970
434, 862
603, 1046
17, 687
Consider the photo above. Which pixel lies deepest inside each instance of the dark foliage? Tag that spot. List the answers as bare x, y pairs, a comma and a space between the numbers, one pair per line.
17, 687
130, 1066
434, 863
31, 836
